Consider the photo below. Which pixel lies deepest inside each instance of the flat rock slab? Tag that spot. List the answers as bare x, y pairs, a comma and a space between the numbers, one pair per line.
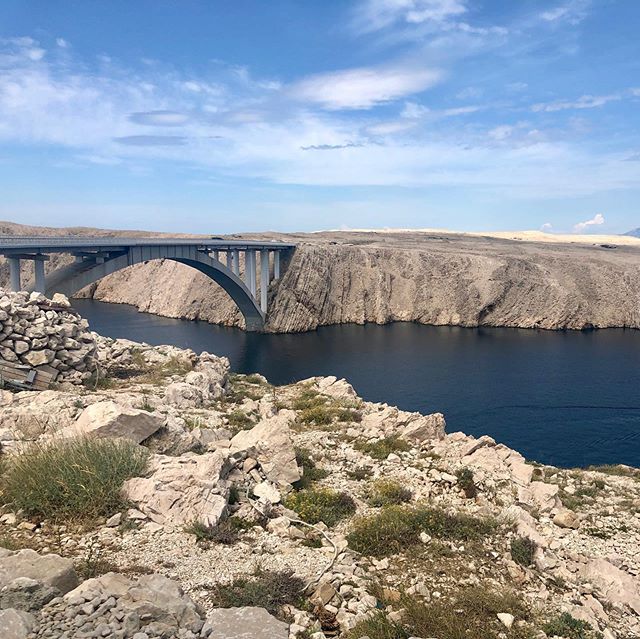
15, 624
48, 570
244, 623
108, 419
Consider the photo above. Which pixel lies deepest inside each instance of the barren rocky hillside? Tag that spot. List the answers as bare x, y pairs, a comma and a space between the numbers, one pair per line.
166, 498
431, 278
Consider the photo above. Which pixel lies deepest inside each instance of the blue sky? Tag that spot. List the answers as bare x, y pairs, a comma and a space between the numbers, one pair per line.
216, 116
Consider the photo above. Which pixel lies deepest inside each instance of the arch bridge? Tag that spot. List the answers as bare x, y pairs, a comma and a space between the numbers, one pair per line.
97, 257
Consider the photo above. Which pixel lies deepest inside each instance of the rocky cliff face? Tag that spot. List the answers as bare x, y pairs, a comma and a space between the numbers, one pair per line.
337, 278
381, 277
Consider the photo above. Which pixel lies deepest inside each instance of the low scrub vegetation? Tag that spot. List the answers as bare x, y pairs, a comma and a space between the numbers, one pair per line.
265, 589
314, 505
245, 387
619, 470
315, 409
378, 626
360, 474
227, 532
523, 550
466, 482
565, 625
387, 492
382, 448
71, 479
310, 472
395, 528
469, 613
154, 374
239, 420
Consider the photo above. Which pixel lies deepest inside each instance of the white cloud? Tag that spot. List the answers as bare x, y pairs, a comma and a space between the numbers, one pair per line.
373, 15
546, 227
247, 131
62, 43
501, 132
159, 118
363, 88
583, 102
572, 12
596, 220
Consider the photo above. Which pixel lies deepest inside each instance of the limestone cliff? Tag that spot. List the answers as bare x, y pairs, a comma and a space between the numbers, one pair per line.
430, 278
369, 277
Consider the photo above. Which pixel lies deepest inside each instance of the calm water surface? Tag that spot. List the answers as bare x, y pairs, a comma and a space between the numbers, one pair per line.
563, 398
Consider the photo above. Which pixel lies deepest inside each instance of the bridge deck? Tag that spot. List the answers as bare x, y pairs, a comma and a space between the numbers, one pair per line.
15, 244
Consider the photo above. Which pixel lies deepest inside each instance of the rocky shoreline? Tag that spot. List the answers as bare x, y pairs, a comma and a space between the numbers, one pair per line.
363, 518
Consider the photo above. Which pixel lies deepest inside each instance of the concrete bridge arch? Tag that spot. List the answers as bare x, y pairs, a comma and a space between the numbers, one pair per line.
96, 259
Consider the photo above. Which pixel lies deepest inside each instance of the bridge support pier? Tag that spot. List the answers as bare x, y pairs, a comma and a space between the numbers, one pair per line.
264, 279
40, 286
14, 273
250, 270
276, 265
235, 262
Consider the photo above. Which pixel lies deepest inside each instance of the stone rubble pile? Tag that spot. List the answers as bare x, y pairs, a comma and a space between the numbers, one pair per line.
40, 598
46, 335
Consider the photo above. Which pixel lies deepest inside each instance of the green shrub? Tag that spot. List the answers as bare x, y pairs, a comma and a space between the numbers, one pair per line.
377, 626
616, 469
469, 614
387, 492
72, 479
239, 419
383, 447
395, 528
314, 505
320, 410
522, 550
310, 472
266, 589
565, 625
227, 532
360, 474
466, 482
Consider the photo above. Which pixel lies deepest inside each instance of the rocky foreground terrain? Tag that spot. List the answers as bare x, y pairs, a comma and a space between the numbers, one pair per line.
167, 497
427, 277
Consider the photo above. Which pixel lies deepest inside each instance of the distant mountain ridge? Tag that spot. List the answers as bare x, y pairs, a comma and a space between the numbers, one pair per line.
634, 233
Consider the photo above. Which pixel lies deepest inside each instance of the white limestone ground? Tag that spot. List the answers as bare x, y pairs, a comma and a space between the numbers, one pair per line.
217, 438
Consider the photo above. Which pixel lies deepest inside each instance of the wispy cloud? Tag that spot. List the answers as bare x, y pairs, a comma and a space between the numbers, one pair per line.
160, 118
372, 15
596, 220
151, 140
583, 102
572, 12
331, 147
364, 88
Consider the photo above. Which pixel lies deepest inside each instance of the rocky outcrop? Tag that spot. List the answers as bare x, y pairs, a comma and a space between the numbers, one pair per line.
108, 419
28, 578
45, 335
270, 442
183, 490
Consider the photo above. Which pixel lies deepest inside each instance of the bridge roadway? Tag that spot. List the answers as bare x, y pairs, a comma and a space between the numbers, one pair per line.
97, 257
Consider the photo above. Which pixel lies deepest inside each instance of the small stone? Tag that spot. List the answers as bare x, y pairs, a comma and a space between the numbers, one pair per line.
506, 619
114, 521
566, 518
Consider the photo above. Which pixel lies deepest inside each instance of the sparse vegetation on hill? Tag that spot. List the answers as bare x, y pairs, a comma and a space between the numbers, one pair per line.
75, 479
